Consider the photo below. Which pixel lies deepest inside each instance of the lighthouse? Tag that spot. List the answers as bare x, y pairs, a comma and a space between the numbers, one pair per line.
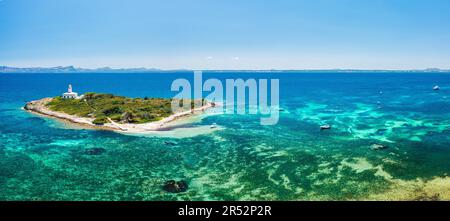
70, 94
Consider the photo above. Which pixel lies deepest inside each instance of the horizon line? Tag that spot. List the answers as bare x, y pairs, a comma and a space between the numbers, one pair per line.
72, 68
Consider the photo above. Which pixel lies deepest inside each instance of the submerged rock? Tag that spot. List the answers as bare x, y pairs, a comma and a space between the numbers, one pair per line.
173, 186
94, 151
170, 143
378, 147
381, 131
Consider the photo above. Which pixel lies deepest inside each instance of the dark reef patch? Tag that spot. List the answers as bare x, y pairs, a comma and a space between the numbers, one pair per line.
173, 186
95, 151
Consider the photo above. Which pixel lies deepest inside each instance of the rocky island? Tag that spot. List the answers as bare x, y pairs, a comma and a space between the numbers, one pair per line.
111, 112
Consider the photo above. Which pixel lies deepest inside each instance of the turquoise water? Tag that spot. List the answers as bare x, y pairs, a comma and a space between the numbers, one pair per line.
44, 159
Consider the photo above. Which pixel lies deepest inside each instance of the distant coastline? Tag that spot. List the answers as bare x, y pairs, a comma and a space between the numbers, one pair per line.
72, 69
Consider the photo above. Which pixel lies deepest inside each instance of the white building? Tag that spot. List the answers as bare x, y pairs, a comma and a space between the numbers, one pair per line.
70, 94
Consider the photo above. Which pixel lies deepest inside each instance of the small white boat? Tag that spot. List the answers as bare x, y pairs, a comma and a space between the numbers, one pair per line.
278, 109
325, 127
436, 88
214, 125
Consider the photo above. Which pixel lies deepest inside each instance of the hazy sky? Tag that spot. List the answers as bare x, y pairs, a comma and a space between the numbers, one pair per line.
226, 34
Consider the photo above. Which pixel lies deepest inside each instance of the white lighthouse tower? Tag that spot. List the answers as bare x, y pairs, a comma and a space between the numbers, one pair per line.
70, 94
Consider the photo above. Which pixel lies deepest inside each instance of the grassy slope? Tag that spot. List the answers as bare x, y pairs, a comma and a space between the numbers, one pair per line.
119, 109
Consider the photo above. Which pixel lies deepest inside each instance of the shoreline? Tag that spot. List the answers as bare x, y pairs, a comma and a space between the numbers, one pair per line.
39, 107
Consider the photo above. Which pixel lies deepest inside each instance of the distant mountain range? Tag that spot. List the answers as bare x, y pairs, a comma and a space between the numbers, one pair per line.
72, 69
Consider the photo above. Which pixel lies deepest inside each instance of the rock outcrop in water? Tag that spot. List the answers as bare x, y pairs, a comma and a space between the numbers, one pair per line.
173, 186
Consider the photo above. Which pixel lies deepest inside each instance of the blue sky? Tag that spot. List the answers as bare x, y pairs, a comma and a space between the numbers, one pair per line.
226, 34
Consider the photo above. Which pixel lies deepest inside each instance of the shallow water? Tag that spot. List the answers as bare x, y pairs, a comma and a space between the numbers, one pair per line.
43, 159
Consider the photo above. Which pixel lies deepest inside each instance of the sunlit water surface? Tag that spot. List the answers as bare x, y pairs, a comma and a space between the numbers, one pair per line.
43, 159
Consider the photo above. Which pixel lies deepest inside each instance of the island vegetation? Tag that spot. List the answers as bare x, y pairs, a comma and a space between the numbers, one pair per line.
106, 107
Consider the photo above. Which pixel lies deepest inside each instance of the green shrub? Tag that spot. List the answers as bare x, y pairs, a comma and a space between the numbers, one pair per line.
100, 120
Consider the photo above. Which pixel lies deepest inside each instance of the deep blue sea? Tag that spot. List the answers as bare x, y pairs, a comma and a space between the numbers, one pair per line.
44, 159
